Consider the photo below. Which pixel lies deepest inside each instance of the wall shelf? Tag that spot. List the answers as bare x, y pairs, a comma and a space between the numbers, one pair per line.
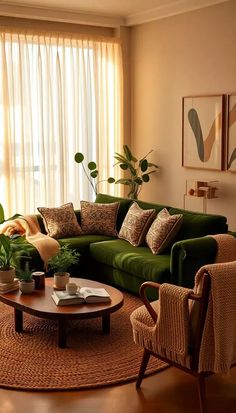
200, 189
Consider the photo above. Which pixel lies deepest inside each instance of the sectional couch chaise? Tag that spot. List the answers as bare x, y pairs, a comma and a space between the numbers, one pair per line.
117, 262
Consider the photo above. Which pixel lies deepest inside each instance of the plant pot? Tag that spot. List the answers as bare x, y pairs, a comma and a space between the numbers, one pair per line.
27, 287
7, 276
61, 279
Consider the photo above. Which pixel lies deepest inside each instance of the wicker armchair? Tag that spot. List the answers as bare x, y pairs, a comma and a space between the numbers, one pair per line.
175, 328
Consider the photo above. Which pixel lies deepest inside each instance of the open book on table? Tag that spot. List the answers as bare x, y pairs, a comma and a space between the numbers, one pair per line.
84, 295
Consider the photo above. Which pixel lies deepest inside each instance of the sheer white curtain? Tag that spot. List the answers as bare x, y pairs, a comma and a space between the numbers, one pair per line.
58, 96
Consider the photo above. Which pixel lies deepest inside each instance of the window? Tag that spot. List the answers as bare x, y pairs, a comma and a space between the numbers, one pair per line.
58, 96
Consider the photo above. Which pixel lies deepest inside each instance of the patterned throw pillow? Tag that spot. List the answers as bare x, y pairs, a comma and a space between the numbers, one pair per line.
60, 222
136, 224
163, 230
99, 218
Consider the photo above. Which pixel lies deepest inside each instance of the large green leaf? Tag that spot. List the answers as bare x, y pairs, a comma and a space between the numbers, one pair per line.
111, 180
92, 166
145, 178
127, 152
120, 158
79, 157
94, 174
144, 165
138, 181
133, 170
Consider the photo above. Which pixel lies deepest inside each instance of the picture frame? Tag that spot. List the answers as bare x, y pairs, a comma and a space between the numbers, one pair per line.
231, 133
202, 132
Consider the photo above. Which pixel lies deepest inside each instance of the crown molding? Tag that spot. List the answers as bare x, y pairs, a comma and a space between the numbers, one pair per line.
173, 8
70, 16
60, 15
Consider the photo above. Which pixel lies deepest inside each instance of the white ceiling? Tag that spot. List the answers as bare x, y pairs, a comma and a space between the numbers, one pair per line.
101, 12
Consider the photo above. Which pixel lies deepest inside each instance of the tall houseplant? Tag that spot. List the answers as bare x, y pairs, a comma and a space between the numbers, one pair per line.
137, 171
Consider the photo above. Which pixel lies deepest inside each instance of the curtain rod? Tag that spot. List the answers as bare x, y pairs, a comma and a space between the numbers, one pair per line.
58, 34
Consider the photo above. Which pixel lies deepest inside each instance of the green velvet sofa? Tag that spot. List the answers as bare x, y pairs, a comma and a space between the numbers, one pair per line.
115, 261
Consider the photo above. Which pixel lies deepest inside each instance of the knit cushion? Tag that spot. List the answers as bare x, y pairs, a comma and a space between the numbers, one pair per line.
99, 218
136, 224
60, 222
163, 230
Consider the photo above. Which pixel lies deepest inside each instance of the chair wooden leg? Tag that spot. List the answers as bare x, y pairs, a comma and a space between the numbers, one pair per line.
144, 363
201, 392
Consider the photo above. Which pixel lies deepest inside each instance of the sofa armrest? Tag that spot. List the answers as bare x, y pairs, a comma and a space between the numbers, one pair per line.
188, 256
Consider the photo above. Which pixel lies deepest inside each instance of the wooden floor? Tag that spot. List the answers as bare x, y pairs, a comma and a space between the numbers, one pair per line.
170, 391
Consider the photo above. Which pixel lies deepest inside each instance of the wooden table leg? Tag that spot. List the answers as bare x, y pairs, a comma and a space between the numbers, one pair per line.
106, 324
18, 320
61, 333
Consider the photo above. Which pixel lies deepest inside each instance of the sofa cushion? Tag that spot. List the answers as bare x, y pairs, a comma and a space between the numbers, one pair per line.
123, 209
163, 230
136, 224
139, 262
99, 218
60, 222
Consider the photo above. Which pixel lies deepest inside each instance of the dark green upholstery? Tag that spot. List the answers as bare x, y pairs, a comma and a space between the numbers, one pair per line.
121, 255
198, 224
119, 263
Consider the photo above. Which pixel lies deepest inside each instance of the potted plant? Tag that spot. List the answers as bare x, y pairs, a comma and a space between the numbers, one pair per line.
137, 171
27, 283
8, 251
61, 262
7, 271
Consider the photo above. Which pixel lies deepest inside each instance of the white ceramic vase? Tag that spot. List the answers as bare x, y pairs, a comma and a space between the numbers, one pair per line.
61, 279
27, 287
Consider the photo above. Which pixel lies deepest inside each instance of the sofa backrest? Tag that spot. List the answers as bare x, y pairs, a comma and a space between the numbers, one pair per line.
195, 224
124, 206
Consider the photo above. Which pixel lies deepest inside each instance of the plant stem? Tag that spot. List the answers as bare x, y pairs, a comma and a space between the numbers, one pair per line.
94, 187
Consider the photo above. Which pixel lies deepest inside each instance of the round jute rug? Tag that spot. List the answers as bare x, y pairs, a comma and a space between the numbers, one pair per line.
32, 361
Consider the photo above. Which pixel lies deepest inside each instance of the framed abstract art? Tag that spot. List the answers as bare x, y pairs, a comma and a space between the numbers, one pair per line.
202, 132
231, 134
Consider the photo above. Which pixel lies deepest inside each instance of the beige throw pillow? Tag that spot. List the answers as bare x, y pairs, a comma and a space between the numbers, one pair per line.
99, 218
60, 222
136, 224
163, 230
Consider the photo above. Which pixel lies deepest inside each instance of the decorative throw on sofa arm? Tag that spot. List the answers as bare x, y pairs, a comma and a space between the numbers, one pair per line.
28, 226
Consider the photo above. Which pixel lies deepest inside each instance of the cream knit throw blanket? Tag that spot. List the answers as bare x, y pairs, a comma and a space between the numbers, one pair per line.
226, 247
218, 346
28, 226
219, 333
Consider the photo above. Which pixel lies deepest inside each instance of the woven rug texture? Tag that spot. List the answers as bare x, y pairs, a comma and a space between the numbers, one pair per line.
32, 360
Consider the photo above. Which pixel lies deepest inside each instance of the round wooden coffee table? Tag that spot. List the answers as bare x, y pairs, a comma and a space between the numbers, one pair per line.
41, 304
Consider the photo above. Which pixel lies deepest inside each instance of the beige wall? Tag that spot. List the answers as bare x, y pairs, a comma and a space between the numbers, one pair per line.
189, 54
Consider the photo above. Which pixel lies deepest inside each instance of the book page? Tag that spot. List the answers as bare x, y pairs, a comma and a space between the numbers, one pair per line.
95, 292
